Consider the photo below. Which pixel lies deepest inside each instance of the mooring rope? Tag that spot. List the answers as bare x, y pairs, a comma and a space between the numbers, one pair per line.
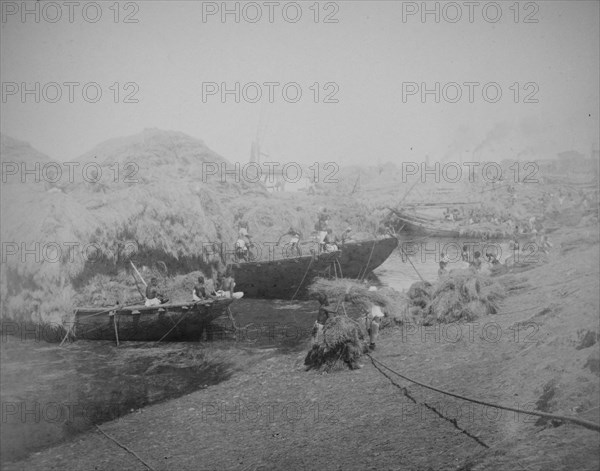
454, 422
584, 423
129, 450
305, 273
368, 261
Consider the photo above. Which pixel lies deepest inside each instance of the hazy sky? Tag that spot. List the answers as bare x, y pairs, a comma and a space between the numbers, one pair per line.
370, 55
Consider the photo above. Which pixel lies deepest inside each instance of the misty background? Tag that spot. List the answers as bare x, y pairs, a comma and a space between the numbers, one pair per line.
368, 54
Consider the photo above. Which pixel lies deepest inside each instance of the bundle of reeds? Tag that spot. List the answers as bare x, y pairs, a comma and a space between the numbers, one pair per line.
358, 295
342, 344
460, 296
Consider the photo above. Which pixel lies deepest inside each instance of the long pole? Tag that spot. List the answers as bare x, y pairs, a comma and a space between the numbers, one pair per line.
138, 273
116, 329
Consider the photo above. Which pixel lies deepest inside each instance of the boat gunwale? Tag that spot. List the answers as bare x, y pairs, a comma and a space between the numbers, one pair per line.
150, 309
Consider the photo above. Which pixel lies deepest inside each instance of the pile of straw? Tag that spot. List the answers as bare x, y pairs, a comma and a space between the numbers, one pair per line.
357, 294
460, 296
342, 344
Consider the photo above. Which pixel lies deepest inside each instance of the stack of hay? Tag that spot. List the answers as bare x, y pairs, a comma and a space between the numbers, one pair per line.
461, 296
343, 342
345, 338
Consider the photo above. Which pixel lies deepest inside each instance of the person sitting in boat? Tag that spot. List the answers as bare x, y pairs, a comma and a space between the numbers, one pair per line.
347, 235
209, 286
199, 291
465, 254
322, 225
330, 241
445, 258
442, 270
227, 286
153, 296
241, 249
492, 258
476, 263
294, 243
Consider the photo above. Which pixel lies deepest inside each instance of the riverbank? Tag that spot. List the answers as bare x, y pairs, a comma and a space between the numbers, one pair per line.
539, 353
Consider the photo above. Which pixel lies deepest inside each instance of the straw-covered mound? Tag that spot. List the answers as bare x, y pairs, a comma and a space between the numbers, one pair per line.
345, 338
460, 296
343, 342
161, 199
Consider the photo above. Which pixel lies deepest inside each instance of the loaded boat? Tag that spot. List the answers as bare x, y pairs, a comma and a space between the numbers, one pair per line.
426, 226
288, 278
169, 322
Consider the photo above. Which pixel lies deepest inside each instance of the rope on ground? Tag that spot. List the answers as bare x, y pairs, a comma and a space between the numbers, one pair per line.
305, 273
454, 422
584, 423
129, 450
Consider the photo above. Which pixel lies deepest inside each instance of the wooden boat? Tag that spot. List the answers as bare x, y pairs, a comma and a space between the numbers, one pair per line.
414, 224
288, 278
168, 322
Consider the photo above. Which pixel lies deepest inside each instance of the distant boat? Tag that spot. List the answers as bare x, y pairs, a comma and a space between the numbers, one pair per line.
168, 322
423, 226
288, 278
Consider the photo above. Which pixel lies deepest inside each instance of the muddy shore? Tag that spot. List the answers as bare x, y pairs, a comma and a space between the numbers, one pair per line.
539, 353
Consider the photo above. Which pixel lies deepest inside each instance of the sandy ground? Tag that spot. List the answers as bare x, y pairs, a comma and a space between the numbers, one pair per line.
537, 353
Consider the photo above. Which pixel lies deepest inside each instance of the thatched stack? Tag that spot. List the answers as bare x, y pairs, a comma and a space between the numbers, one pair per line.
160, 207
162, 202
461, 296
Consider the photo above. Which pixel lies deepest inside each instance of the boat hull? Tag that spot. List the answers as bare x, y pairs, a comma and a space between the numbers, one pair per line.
289, 278
167, 322
422, 227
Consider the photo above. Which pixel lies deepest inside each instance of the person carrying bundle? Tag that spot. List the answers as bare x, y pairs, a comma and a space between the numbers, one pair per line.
322, 316
373, 322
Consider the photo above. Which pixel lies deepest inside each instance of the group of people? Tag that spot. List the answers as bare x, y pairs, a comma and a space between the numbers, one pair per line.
222, 286
475, 261
327, 240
